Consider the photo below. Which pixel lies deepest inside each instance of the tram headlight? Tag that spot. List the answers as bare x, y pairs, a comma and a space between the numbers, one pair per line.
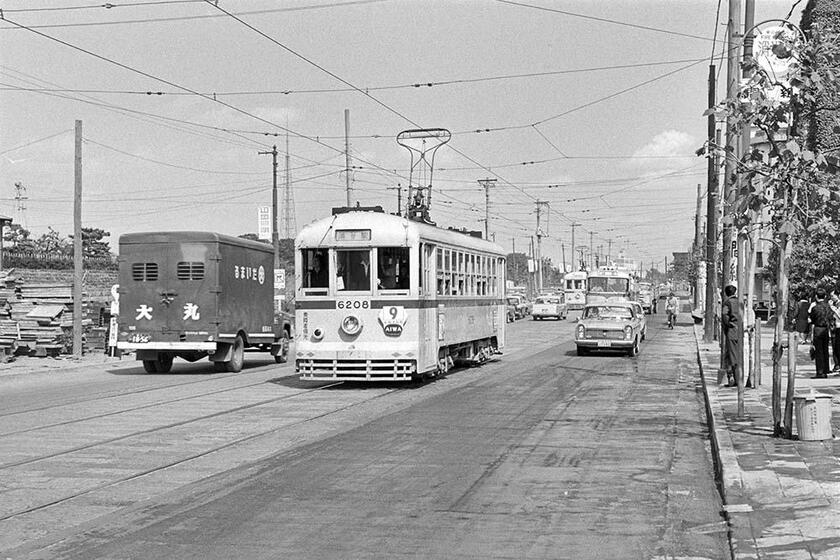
317, 335
351, 325
581, 331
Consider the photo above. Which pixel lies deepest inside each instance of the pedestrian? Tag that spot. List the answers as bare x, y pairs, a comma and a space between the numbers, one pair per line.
821, 321
801, 319
733, 334
672, 305
834, 305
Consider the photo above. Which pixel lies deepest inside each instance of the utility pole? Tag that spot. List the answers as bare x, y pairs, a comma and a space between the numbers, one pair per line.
563, 253
591, 252
748, 240
77, 246
609, 251
515, 261
347, 154
731, 153
712, 210
575, 266
486, 183
398, 188
540, 235
698, 240
275, 236
20, 207
289, 222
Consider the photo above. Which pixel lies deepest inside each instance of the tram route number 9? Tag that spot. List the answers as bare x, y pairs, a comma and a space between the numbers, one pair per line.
352, 304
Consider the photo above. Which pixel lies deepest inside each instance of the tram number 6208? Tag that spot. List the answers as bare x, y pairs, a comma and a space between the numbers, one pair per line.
352, 304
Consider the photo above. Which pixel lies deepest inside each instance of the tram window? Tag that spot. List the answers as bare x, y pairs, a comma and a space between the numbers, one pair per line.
315, 265
353, 270
393, 265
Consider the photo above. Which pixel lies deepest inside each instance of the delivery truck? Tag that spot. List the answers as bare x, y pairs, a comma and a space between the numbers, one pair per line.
192, 294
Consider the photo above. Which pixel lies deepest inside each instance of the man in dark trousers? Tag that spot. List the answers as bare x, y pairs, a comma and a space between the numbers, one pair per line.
821, 318
834, 304
733, 334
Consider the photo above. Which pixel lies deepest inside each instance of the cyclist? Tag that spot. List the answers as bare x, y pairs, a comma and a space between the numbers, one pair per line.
671, 306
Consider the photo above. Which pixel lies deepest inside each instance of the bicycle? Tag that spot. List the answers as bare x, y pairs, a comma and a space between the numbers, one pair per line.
672, 318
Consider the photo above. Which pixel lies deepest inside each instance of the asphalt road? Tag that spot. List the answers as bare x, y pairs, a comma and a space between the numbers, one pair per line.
542, 454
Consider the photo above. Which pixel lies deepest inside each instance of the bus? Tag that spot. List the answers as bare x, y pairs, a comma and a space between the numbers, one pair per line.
610, 284
574, 287
382, 297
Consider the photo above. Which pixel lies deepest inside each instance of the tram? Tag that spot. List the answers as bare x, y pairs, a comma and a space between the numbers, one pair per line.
574, 287
383, 297
611, 284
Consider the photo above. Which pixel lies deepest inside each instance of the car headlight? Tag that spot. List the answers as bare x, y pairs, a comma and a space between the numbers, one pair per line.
351, 325
628, 332
581, 331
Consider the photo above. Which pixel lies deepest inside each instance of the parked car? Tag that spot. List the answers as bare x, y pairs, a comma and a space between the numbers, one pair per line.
510, 309
549, 306
609, 326
523, 307
640, 311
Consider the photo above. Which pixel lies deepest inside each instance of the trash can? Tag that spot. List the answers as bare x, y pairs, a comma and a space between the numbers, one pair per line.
813, 416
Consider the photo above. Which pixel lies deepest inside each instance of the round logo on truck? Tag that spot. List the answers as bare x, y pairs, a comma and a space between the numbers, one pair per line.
261, 274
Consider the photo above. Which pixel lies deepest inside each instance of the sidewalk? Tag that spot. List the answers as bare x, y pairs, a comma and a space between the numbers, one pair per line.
781, 497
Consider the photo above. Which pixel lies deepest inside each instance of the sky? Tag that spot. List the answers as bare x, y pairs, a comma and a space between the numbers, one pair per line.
593, 106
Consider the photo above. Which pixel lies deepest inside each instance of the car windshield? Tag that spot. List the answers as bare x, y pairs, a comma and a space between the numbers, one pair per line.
615, 312
548, 300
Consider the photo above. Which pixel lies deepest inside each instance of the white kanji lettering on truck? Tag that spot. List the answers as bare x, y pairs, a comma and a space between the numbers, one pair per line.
144, 312
191, 312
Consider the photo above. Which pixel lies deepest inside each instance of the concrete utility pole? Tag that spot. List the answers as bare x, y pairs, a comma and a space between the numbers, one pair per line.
575, 266
398, 188
275, 236
347, 154
77, 246
609, 251
591, 251
540, 235
698, 241
289, 222
730, 168
487, 183
515, 261
711, 216
563, 253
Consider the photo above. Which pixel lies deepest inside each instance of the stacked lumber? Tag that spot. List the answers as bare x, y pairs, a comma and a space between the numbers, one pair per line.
37, 319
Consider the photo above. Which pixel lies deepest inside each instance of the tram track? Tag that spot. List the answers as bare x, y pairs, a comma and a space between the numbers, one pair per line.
96, 397
124, 410
182, 460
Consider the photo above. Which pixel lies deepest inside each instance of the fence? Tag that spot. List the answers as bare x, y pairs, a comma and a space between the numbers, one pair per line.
13, 259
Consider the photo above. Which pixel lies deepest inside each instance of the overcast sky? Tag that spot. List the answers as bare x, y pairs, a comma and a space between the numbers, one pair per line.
593, 106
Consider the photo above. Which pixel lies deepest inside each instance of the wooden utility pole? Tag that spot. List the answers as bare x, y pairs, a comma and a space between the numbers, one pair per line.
275, 235
77, 246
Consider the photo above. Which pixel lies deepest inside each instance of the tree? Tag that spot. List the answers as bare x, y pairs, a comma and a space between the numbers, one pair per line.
785, 185
17, 239
53, 243
93, 244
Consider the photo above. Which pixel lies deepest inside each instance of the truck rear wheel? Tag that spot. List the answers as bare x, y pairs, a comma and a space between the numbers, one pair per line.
237, 359
161, 364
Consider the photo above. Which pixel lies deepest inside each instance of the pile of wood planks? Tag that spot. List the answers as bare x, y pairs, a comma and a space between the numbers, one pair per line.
37, 319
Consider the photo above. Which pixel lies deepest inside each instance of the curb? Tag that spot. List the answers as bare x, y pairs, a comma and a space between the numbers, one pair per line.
727, 471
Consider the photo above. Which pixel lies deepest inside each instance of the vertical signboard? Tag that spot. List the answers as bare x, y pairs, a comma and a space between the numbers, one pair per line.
264, 222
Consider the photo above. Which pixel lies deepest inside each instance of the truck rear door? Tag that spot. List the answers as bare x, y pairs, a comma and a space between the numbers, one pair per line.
168, 291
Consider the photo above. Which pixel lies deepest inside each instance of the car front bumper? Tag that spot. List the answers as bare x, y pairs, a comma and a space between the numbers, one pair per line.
604, 344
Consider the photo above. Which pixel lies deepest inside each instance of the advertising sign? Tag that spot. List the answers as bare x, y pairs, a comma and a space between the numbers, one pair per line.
264, 222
